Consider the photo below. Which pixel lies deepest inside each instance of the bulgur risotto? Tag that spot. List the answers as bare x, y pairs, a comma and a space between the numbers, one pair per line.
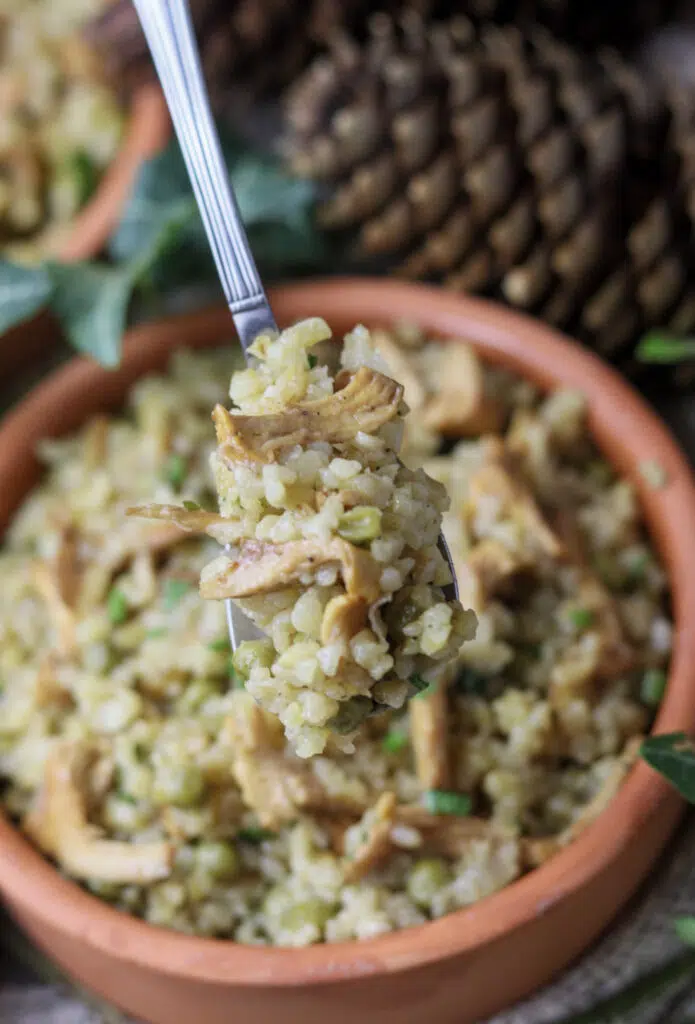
134, 763
332, 541
61, 122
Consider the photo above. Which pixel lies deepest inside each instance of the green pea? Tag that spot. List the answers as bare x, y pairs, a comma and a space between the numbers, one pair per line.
312, 912
218, 859
180, 785
426, 878
251, 653
361, 524
117, 606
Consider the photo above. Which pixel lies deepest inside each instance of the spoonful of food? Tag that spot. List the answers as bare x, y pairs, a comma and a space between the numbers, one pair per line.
333, 548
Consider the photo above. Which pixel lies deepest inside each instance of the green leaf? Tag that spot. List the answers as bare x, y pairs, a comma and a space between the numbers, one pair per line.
173, 591
23, 292
673, 756
440, 801
685, 929
661, 347
91, 302
616, 1009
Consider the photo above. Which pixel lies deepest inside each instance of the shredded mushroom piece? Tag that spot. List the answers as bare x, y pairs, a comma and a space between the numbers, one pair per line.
368, 401
429, 735
261, 568
58, 825
462, 408
272, 783
374, 839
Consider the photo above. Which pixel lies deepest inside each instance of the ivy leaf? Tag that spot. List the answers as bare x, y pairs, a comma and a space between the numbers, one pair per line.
23, 292
91, 302
673, 756
660, 347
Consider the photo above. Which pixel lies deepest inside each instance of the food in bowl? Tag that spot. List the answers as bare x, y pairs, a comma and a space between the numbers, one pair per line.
61, 123
133, 764
332, 541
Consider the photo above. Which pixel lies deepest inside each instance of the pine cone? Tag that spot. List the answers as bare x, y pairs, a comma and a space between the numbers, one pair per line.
505, 163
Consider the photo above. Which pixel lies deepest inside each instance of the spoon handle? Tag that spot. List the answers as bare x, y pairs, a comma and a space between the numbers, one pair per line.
169, 33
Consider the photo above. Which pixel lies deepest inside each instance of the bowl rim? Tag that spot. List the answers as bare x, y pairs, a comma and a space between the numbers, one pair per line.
147, 130
620, 420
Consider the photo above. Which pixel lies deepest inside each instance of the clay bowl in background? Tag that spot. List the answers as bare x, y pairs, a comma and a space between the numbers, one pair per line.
468, 965
146, 132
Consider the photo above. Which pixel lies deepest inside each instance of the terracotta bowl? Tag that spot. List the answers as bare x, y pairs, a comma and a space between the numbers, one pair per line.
146, 133
461, 968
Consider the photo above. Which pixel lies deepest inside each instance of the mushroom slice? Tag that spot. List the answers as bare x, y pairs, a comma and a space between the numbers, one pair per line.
496, 493
277, 786
369, 400
616, 654
194, 520
345, 616
462, 407
58, 825
402, 367
537, 851
261, 568
48, 585
429, 735
451, 836
493, 564
368, 843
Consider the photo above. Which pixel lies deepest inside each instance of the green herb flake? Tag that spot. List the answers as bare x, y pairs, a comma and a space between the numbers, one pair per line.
581, 618
441, 801
192, 506
664, 348
254, 835
155, 634
174, 471
117, 606
221, 645
126, 797
395, 741
313, 361
172, 593
673, 756
419, 684
652, 687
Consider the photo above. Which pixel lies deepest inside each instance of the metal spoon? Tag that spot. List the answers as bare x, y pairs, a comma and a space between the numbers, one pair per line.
169, 33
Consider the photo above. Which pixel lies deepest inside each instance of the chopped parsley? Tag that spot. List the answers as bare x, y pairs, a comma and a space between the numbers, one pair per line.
254, 835
192, 506
312, 360
174, 471
581, 618
394, 741
441, 801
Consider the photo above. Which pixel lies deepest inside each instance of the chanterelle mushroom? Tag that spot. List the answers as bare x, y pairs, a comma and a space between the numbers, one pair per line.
58, 825
369, 400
